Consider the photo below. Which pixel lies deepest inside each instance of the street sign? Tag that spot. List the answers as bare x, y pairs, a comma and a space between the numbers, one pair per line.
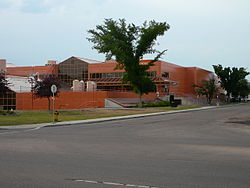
53, 88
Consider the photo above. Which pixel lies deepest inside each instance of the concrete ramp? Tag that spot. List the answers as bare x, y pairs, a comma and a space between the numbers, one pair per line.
123, 102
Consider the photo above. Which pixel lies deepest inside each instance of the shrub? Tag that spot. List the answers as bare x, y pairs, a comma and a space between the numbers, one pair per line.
8, 113
157, 104
3, 113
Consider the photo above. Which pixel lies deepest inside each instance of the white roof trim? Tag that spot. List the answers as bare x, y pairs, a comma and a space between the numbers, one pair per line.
89, 60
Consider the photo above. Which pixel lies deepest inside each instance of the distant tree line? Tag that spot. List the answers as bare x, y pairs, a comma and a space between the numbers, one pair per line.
232, 80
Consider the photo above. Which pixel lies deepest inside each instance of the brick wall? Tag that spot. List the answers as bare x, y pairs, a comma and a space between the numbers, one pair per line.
72, 100
65, 100
26, 71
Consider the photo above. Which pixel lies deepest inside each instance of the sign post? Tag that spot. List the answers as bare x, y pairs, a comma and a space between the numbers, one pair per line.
53, 90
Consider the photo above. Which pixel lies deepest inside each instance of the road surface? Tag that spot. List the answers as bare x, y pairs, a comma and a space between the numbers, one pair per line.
208, 148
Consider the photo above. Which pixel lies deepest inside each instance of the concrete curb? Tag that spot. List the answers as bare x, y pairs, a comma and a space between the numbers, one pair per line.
88, 121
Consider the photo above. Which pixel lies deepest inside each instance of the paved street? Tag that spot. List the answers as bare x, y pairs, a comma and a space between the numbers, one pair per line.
200, 149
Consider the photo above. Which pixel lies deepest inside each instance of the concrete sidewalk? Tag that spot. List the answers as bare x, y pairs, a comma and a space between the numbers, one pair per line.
88, 121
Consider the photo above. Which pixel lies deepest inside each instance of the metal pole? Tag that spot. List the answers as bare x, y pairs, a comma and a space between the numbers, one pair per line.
93, 92
53, 107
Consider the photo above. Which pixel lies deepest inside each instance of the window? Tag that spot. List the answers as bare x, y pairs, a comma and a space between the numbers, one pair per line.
152, 74
72, 69
108, 75
8, 100
165, 74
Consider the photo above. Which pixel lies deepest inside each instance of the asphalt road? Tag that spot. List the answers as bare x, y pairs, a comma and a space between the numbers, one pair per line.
208, 148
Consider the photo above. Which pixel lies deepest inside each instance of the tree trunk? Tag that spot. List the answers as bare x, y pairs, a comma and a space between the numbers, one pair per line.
140, 100
209, 100
228, 97
48, 103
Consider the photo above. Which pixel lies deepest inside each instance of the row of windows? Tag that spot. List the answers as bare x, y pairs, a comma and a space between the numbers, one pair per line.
68, 75
8, 95
70, 78
107, 75
8, 101
116, 75
83, 75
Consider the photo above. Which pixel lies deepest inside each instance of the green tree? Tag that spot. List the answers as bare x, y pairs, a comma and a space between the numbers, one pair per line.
3, 83
244, 89
208, 88
42, 88
128, 44
231, 79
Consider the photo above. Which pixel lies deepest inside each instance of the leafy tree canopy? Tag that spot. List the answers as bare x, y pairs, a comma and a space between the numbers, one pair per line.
244, 88
128, 43
208, 88
231, 79
42, 88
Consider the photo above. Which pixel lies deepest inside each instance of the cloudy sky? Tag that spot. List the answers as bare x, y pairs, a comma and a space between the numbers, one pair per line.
203, 32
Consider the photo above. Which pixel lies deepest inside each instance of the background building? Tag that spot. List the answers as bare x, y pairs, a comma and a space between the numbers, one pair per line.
99, 81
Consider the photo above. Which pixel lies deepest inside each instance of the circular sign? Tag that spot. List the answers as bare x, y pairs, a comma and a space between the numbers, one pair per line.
53, 88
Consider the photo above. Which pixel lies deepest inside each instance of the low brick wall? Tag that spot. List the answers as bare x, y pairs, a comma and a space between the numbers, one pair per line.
72, 100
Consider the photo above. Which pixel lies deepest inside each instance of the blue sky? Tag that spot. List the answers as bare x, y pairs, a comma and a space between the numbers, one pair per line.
202, 33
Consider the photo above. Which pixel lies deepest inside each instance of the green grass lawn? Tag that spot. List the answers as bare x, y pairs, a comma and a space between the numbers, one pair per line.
34, 117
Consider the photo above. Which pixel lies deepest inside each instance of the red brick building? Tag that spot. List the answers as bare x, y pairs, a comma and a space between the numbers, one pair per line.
169, 79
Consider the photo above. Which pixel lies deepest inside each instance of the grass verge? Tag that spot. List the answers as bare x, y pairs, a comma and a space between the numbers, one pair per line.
35, 117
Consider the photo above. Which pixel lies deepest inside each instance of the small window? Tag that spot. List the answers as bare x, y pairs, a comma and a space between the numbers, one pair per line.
151, 74
116, 75
109, 75
165, 74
